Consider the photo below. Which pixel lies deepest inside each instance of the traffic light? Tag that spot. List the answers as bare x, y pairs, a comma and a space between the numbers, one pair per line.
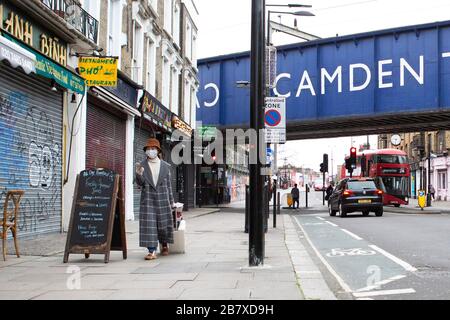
325, 163
213, 155
322, 168
353, 157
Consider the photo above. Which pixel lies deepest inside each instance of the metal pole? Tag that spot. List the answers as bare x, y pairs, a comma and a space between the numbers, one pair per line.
275, 204
279, 203
429, 179
256, 230
323, 189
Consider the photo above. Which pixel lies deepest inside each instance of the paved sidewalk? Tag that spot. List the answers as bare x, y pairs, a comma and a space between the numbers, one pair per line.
215, 266
437, 207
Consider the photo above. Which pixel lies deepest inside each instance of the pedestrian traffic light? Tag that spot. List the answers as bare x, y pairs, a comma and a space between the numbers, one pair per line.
325, 163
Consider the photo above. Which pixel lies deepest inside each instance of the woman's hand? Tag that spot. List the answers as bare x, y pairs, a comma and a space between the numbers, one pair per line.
139, 169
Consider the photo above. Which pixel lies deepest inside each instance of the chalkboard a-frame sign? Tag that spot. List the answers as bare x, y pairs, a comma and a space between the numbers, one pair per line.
97, 222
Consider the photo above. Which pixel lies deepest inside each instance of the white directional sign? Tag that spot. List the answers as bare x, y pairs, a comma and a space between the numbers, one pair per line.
275, 120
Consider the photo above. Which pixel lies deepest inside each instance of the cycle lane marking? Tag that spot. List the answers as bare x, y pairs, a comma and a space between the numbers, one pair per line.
398, 261
383, 293
351, 234
341, 281
350, 266
377, 285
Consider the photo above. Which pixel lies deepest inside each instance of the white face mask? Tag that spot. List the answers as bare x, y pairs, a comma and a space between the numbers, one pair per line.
152, 154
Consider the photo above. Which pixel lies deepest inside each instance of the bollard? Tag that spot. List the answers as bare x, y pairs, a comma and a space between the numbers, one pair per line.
279, 203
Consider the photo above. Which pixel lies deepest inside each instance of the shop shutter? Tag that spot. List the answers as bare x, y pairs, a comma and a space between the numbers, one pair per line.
31, 117
105, 141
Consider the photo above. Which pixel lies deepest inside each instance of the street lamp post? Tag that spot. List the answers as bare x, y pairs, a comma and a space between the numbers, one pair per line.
256, 229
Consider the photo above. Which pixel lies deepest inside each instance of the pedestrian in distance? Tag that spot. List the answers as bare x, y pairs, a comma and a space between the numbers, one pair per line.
432, 191
329, 191
296, 196
157, 202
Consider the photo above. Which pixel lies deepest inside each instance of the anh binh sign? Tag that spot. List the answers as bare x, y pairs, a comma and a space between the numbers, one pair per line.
98, 71
32, 34
403, 70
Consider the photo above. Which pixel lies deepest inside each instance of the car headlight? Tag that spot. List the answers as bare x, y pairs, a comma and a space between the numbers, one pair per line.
407, 199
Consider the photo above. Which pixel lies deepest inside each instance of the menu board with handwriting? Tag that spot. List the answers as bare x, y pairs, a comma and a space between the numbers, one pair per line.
97, 204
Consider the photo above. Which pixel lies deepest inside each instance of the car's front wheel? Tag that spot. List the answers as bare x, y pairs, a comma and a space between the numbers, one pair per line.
331, 211
366, 213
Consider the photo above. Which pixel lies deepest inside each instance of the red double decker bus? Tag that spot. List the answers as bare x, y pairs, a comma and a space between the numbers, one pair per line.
390, 170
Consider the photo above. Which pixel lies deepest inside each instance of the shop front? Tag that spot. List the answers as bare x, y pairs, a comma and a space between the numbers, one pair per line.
110, 117
34, 84
185, 177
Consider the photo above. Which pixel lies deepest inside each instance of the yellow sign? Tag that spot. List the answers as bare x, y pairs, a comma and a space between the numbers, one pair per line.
422, 199
98, 71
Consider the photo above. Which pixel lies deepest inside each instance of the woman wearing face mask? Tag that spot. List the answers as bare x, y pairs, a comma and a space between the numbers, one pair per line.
155, 218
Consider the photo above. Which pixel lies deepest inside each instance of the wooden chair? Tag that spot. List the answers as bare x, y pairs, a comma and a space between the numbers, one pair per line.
9, 219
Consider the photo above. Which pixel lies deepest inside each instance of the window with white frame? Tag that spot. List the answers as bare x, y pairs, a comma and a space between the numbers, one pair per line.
176, 23
138, 52
151, 66
168, 15
187, 102
442, 175
92, 7
112, 35
166, 83
188, 41
193, 106
194, 49
175, 94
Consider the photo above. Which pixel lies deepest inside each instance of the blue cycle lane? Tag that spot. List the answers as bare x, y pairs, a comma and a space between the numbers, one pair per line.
359, 266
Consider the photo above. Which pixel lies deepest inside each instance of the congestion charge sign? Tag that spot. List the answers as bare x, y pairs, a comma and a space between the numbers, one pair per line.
275, 120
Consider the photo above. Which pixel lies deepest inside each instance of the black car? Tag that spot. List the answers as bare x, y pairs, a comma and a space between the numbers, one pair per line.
352, 195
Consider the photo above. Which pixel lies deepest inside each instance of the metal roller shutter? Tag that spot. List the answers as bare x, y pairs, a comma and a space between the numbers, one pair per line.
31, 117
105, 141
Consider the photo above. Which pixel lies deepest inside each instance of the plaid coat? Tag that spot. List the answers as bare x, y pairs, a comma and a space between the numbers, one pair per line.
155, 216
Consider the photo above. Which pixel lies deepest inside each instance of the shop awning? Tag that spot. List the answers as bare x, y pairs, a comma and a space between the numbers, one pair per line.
17, 56
51, 70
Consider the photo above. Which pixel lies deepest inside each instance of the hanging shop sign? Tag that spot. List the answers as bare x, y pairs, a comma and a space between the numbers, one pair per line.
182, 126
98, 71
155, 112
17, 24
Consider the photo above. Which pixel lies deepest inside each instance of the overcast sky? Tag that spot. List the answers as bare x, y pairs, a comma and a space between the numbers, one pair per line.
224, 27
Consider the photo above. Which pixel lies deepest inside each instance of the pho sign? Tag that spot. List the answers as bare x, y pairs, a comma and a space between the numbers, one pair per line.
275, 120
99, 71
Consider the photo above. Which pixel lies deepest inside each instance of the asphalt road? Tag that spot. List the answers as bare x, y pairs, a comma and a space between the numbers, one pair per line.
397, 256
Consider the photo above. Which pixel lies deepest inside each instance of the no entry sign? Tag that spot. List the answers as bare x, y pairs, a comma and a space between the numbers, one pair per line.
275, 120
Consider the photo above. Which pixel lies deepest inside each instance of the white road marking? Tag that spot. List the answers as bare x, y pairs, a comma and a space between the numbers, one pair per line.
383, 293
400, 262
380, 283
365, 299
331, 223
446, 55
354, 236
320, 218
334, 273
